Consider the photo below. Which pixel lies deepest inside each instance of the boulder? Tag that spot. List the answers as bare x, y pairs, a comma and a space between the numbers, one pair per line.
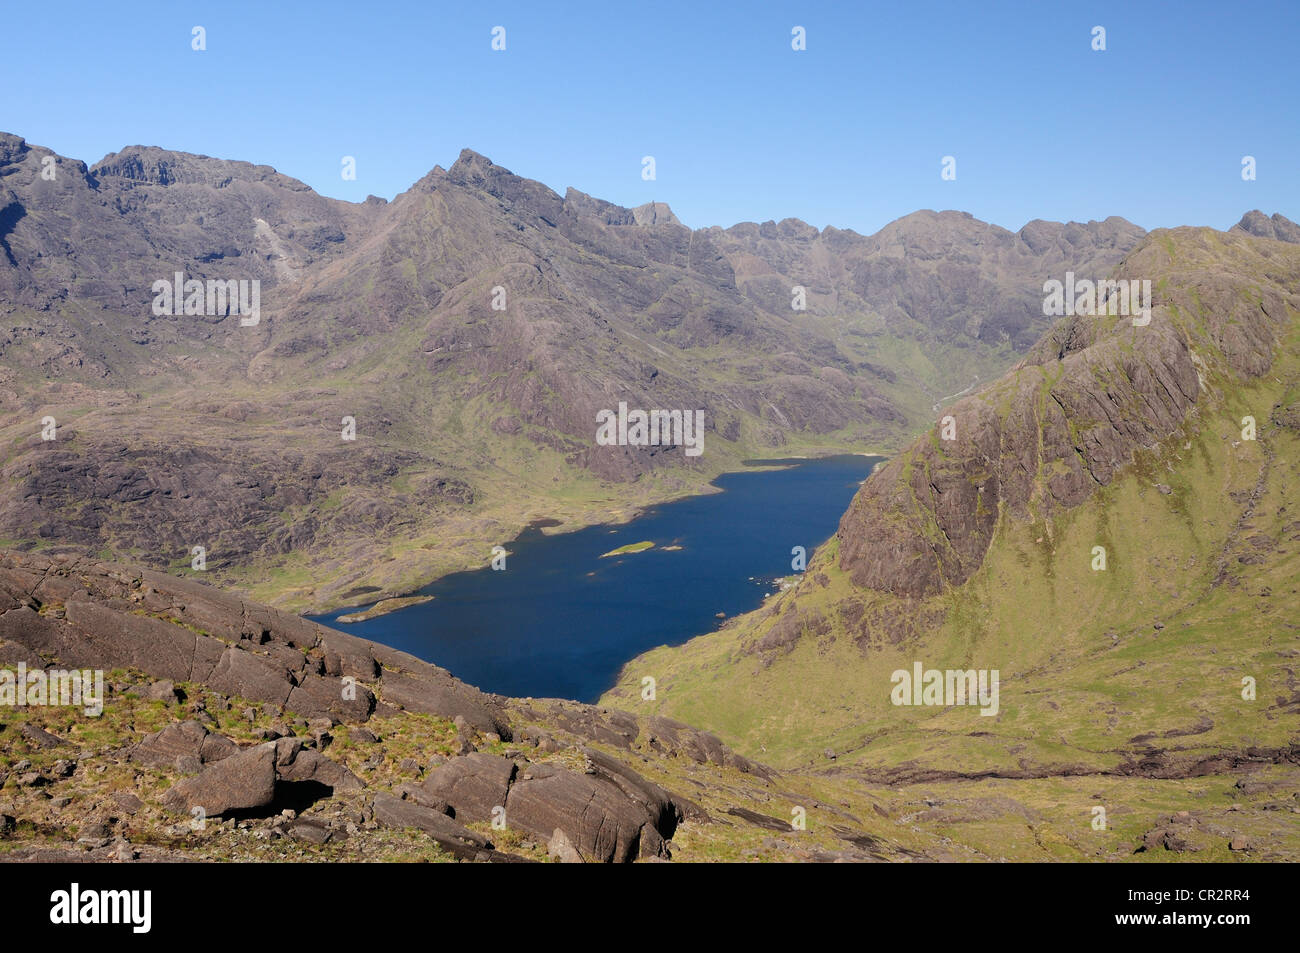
41, 738
163, 690
600, 822
455, 838
472, 785
416, 793
241, 782
127, 802
310, 832
664, 813
760, 820
182, 739
562, 849
293, 762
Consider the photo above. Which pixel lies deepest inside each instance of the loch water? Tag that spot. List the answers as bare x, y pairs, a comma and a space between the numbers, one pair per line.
561, 621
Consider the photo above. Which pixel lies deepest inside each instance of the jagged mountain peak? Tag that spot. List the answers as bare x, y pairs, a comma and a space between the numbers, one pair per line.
474, 168
470, 161
583, 205
11, 146
654, 213
15, 150
1260, 225
787, 228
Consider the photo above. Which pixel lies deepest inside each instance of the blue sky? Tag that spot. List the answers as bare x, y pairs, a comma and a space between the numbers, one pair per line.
850, 132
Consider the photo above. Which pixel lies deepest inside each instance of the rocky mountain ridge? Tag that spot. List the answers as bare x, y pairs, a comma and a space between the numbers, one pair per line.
1039, 444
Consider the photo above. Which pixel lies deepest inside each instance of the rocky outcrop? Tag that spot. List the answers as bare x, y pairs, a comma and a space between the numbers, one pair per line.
230, 779
473, 786
457, 839
96, 615
64, 611
241, 782
182, 743
608, 814
295, 763
602, 824
1279, 227
702, 747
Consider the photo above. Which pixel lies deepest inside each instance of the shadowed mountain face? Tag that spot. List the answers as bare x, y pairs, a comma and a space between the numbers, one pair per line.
473, 328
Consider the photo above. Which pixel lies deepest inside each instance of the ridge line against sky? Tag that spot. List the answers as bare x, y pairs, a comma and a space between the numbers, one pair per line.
850, 132
561, 193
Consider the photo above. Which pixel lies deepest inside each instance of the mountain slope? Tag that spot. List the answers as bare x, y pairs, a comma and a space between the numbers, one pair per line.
1117, 684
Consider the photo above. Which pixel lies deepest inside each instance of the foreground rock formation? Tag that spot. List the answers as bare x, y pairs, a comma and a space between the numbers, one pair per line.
269, 724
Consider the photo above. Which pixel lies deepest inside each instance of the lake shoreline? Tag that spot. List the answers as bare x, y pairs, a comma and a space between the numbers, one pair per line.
550, 526
573, 607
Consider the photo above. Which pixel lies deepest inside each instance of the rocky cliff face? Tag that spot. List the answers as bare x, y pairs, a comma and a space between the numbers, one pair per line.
939, 276
1068, 419
1279, 227
100, 236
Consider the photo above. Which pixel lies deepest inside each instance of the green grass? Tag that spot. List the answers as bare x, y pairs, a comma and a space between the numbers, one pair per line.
640, 547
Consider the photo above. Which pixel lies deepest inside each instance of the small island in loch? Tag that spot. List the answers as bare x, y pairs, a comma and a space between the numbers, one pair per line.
630, 548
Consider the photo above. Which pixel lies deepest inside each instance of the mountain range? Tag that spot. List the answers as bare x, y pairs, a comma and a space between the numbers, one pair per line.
1094, 510
177, 430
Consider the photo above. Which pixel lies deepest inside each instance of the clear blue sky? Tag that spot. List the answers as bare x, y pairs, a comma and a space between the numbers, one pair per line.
850, 132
